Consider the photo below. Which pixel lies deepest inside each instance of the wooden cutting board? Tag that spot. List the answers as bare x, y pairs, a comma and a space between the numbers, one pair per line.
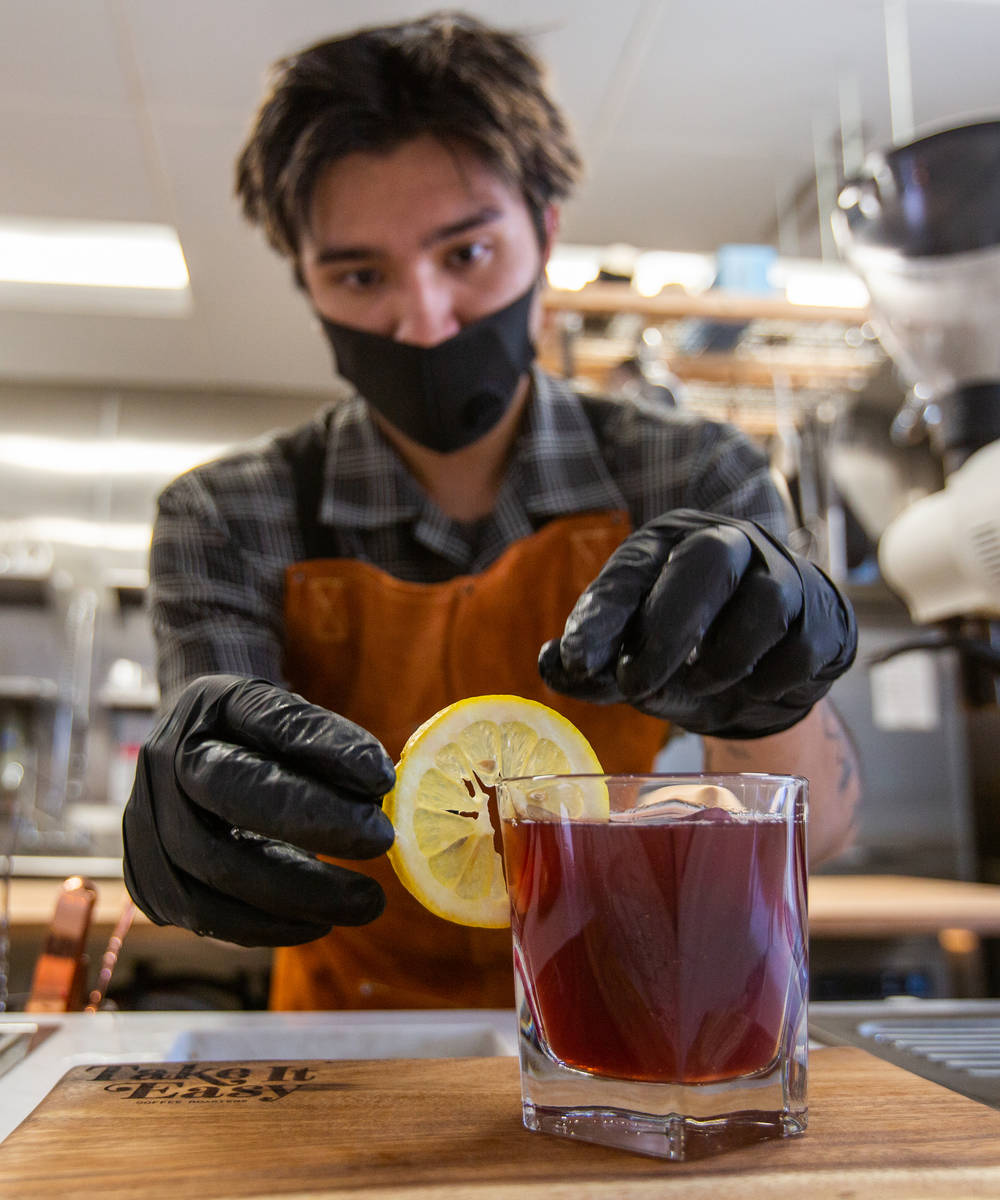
451, 1129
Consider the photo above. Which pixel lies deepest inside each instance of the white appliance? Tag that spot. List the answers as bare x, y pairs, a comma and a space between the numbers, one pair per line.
921, 225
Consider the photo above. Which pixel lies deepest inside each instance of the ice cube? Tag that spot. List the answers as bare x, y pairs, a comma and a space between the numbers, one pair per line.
701, 800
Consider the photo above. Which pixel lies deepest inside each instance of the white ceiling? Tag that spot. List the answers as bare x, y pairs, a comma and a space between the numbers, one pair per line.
700, 122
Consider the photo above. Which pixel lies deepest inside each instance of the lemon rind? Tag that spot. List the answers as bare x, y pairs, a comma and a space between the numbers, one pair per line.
429, 741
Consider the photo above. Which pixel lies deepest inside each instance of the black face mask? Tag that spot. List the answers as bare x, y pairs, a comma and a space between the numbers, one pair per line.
446, 396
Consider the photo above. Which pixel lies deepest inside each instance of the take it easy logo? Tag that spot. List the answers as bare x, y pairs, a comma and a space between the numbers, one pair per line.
267, 1082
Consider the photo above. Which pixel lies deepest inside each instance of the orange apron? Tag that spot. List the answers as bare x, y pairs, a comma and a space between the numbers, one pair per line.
388, 654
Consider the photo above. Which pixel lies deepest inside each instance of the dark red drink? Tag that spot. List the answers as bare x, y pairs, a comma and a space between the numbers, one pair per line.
660, 951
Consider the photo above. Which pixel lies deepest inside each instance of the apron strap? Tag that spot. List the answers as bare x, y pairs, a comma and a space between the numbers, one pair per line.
304, 451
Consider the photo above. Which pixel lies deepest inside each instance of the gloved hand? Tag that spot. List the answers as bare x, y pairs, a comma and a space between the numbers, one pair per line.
232, 790
709, 622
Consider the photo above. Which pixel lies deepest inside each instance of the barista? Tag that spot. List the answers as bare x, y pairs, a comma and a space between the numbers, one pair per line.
461, 524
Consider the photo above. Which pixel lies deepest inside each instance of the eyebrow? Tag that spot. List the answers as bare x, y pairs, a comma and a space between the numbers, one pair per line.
484, 216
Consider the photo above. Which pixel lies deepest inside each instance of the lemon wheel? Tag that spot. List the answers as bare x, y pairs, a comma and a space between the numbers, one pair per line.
444, 851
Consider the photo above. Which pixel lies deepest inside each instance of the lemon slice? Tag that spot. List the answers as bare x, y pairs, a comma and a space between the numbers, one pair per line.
444, 849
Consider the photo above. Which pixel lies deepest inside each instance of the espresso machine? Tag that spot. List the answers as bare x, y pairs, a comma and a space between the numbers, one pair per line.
920, 223
921, 226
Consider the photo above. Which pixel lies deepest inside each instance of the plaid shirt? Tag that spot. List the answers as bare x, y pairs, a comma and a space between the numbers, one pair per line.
226, 531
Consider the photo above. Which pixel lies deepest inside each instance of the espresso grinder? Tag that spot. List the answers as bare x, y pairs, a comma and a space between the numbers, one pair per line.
921, 225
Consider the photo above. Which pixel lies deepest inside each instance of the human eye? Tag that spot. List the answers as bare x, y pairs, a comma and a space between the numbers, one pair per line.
470, 253
358, 279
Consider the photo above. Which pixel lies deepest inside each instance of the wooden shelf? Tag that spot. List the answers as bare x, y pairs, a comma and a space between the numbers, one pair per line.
28, 689
608, 298
593, 362
817, 362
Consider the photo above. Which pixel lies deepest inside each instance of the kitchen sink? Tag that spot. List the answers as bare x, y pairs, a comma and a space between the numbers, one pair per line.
19, 1038
355, 1040
15, 1043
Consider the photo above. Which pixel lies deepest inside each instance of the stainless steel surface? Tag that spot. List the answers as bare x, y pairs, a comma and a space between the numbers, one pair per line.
954, 1043
909, 731
74, 708
920, 225
43, 866
357, 1042
15, 1043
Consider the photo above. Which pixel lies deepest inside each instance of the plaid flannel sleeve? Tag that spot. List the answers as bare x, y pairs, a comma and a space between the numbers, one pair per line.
217, 562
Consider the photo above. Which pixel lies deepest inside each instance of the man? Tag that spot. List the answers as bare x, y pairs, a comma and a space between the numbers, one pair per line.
426, 538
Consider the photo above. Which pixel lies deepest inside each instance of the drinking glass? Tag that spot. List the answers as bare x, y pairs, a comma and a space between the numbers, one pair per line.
660, 957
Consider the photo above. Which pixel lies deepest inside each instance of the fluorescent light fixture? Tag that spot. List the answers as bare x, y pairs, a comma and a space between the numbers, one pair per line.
104, 265
91, 253
657, 269
571, 268
803, 281
75, 531
813, 282
99, 535
64, 456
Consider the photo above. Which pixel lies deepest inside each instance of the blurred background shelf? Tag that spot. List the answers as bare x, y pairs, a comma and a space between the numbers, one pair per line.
719, 305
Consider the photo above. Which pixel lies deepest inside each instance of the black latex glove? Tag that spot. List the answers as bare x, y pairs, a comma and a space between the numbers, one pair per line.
709, 622
233, 788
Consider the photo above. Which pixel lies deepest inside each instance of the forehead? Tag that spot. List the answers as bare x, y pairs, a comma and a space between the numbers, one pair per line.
413, 188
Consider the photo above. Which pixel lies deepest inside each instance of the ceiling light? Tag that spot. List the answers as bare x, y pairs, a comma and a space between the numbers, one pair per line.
122, 536
657, 269
802, 280
824, 285
91, 253
571, 268
117, 456
81, 265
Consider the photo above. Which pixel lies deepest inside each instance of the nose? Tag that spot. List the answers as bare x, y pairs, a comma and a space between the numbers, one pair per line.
425, 312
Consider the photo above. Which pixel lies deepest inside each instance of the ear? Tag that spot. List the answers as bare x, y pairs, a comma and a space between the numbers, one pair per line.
550, 225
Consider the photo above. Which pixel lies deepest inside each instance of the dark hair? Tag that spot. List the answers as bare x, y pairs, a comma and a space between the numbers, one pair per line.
446, 75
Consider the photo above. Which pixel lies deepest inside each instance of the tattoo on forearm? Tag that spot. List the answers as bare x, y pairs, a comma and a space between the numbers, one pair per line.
733, 751
846, 757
